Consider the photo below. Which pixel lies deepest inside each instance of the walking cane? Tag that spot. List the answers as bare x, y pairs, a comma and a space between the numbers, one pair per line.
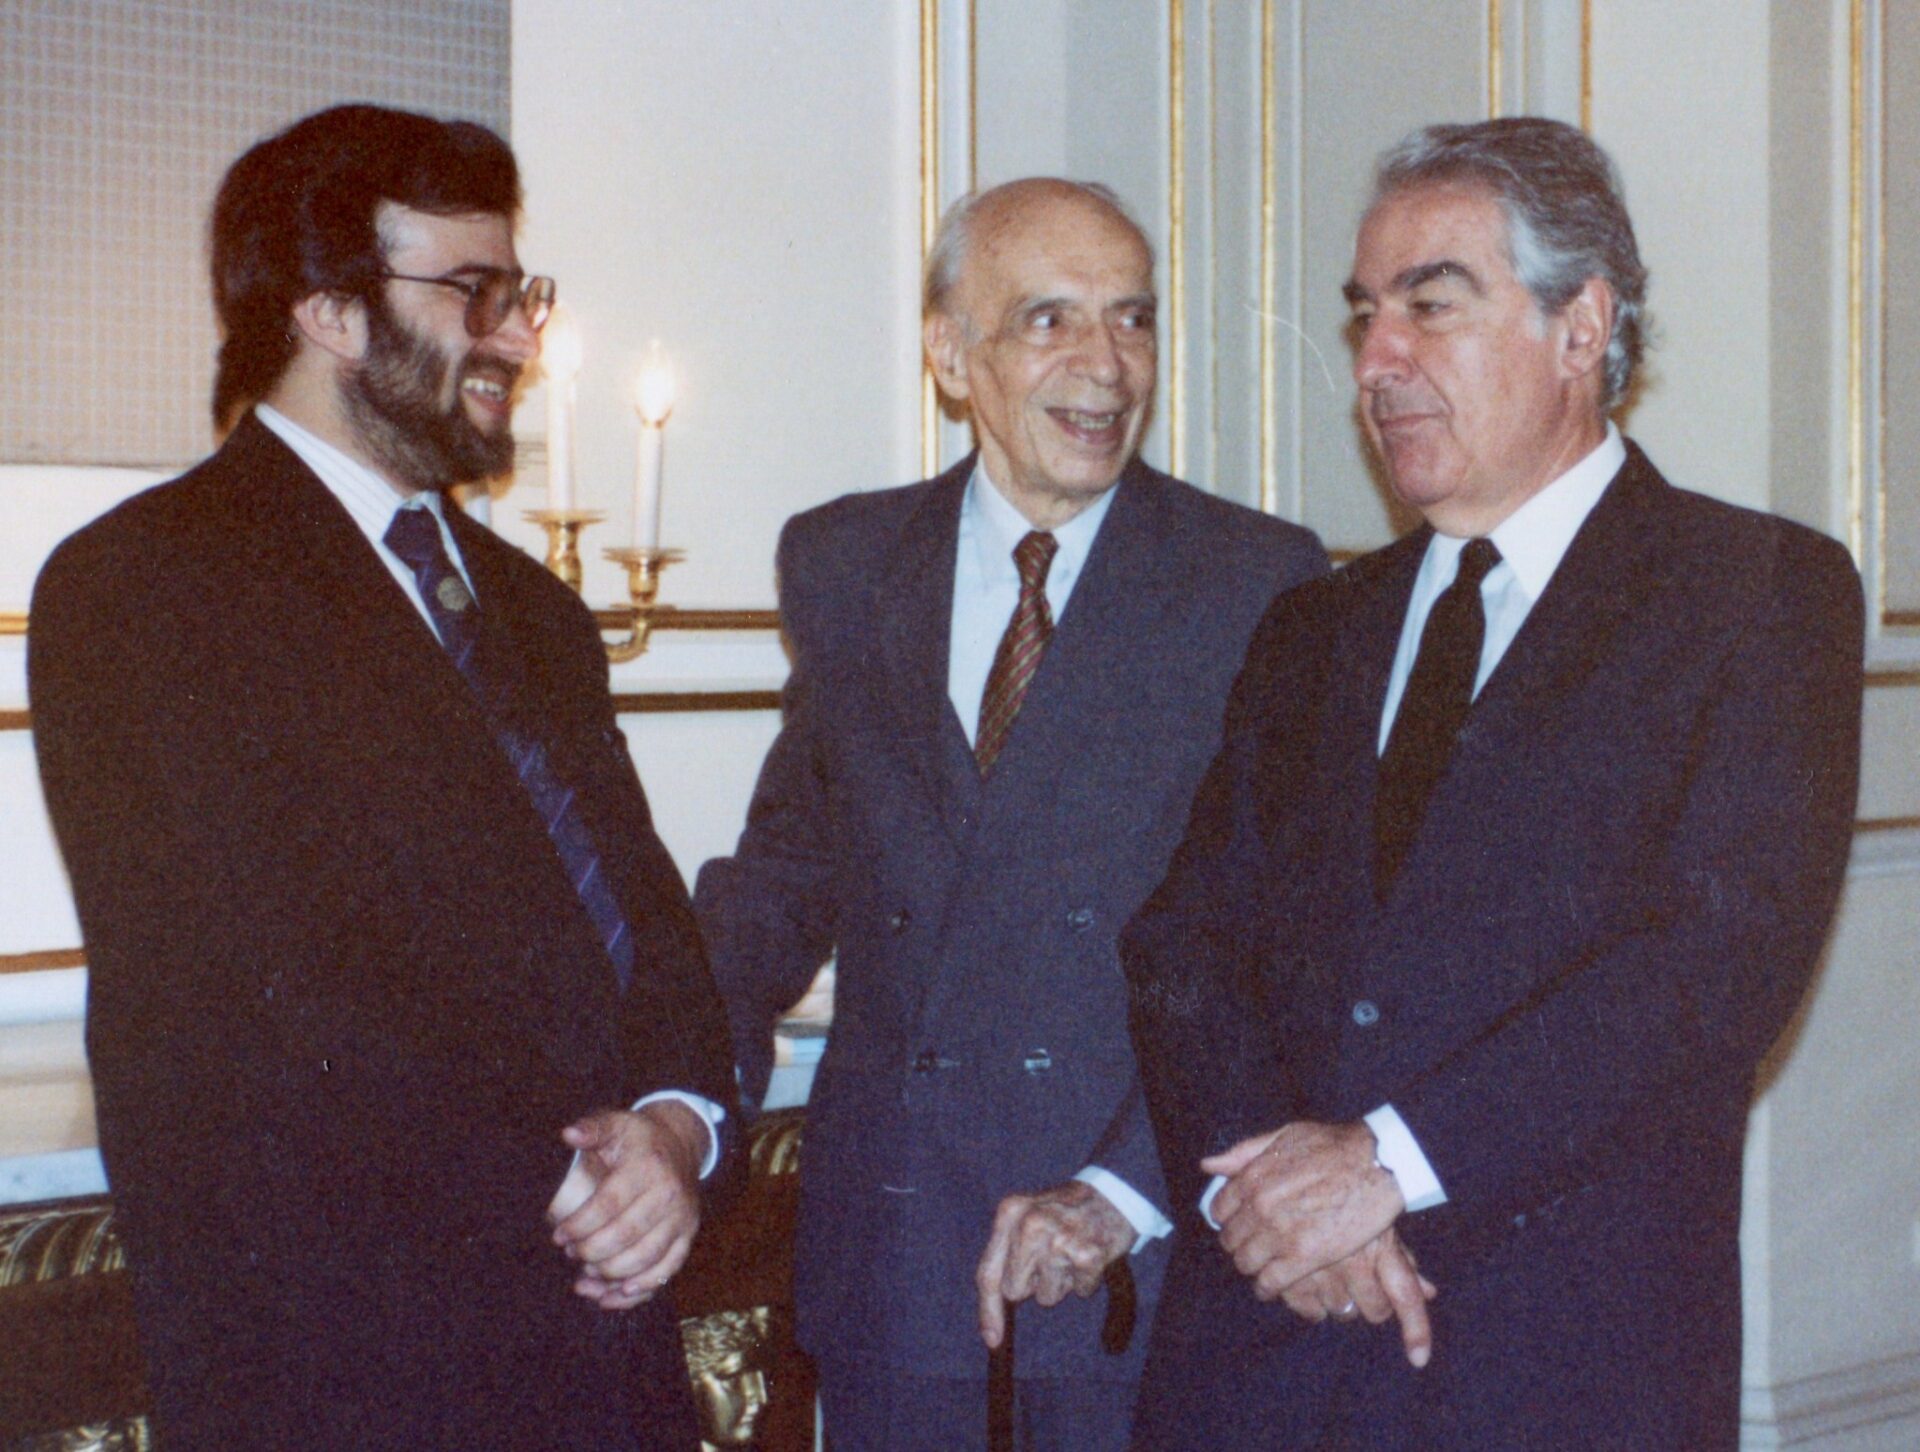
1116, 1331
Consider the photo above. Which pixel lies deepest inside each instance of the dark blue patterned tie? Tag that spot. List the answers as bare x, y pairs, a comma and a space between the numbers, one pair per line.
414, 536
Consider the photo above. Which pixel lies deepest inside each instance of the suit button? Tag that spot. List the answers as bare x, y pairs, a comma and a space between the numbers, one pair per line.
1080, 919
1037, 1062
1366, 1013
900, 921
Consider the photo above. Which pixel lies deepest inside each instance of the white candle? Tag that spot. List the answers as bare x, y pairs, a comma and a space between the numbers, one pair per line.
653, 400
560, 357
646, 488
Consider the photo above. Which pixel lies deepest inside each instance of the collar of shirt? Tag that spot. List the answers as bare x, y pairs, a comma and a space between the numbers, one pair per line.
995, 527
1532, 541
370, 501
986, 583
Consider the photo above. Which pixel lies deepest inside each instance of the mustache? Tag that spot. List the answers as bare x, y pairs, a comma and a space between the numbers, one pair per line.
496, 370
1390, 407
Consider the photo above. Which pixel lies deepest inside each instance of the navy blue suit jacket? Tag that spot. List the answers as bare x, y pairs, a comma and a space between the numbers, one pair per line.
1612, 909
979, 1043
343, 997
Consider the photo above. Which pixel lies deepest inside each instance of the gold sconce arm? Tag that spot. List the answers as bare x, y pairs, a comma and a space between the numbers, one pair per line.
643, 587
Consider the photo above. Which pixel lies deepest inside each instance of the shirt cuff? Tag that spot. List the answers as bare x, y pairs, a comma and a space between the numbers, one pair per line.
711, 1115
1148, 1223
1399, 1153
1214, 1187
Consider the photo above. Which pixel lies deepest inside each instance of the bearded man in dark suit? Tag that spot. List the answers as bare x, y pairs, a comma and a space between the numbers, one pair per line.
1518, 856
1006, 684
382, 944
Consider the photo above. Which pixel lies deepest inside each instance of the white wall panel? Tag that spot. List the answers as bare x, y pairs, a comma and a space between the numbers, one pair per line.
741, 181
1372, 74
1680, 99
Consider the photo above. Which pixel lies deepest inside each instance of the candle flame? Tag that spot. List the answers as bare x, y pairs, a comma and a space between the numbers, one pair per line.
653, 394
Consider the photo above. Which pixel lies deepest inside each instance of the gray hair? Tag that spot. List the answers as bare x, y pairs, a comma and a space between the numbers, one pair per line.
953, 241
1566, 216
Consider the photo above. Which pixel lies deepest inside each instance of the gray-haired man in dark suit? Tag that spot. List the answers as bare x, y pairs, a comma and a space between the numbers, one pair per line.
1007, 681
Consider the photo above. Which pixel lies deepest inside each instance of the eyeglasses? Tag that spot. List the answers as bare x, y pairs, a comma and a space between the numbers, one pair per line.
492, 295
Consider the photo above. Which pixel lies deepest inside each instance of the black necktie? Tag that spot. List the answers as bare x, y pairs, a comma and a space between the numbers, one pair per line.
414, 536
1436, 700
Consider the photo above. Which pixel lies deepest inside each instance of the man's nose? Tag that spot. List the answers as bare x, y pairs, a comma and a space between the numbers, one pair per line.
1099, 357
1381, 358
515, 340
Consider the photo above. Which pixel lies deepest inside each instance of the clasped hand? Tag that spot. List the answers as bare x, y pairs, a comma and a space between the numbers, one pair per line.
1044, 1246
1308, 1216
630, 1204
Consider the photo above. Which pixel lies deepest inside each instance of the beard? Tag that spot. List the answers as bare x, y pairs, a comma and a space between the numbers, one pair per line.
396, 399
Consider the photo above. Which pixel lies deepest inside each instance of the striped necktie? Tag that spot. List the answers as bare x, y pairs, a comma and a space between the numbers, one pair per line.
414, 536
1020, 648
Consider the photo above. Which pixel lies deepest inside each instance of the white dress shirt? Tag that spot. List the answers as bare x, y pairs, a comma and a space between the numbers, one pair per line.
371, 502
986, 587
1532, 541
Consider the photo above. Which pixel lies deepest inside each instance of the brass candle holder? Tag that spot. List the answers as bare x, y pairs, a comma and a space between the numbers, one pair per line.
643, 568
563, 528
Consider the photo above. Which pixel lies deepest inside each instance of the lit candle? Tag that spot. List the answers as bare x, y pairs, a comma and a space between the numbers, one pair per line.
560, 359
653, 400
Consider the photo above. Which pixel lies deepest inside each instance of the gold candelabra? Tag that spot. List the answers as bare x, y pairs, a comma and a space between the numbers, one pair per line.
643, 568
563, 528
642, 614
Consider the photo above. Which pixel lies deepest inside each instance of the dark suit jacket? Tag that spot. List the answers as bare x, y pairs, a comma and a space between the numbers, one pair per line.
1613, 908
979, 1041
343, 997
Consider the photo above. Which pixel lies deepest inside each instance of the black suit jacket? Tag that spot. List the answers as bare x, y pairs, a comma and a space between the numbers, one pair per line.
979, 1040
342, 995
1612, 909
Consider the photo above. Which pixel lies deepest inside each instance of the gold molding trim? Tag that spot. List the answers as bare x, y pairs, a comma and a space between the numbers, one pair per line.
1586, 66
1899, 619
1496, 58
625, 703
655, 703
1856, 245
1887, 824
1176, 235
973, 95
1891, 678
673, 617
665, 617
40, 962
929, 213
1269, 259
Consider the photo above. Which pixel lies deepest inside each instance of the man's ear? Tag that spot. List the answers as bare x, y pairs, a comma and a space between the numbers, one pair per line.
334, 322
1587, 327
946, 344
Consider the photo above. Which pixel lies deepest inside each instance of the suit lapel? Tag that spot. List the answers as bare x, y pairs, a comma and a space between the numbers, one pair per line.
323, 589
1565, 638
914, 609
1347, 767
1101, 646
